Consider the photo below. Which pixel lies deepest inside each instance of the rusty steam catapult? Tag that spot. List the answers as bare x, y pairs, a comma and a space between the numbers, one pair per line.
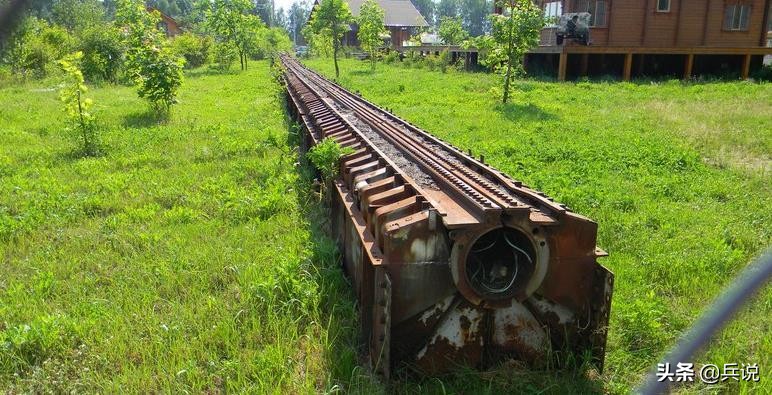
452, 261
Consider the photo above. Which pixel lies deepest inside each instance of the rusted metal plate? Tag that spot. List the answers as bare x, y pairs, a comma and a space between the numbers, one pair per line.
454, 263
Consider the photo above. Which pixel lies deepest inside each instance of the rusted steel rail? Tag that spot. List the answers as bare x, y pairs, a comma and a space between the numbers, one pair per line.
453, 261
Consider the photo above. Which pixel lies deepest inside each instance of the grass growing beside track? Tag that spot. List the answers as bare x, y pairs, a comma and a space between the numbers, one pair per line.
677, 176
184, 259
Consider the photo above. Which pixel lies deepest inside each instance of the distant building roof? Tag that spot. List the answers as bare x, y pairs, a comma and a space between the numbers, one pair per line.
396, 12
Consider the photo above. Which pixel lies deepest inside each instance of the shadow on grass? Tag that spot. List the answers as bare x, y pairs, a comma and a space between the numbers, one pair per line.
524, 112
362, 72
145, 119
206, 71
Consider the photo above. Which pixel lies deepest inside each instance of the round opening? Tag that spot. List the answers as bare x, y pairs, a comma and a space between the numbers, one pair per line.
500, 263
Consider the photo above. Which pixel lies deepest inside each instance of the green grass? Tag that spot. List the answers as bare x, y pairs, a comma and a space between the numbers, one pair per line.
184, 259
188, 257
677, 176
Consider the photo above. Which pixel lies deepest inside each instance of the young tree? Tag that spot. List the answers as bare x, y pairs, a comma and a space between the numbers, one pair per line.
452, 31
515, 32
370, 28
156, 71
82, 122
230, 21
331, 18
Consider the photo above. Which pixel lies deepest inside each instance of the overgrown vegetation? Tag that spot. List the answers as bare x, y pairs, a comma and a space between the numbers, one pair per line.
185, 259
678, 182
325, 156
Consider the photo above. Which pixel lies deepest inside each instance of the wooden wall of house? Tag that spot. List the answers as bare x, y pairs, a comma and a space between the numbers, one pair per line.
398, 35
689, 23
716, 35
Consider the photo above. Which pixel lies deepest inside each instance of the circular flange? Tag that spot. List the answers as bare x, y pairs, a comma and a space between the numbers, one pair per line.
497, 263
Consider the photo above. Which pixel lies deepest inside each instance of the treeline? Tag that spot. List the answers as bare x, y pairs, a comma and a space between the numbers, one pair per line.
75, 42
216, 31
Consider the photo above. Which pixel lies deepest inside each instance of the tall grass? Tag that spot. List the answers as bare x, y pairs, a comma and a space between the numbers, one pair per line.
185, 259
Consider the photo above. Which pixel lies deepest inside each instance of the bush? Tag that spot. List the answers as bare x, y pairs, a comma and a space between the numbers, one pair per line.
159, 78
194, 48
35, 47
102, 53
432, 62
391, 57
6, 76
413, 59
764, 73
224, 54
444, 61
325, 156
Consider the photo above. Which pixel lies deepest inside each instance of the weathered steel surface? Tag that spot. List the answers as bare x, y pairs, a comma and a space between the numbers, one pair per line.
453, 262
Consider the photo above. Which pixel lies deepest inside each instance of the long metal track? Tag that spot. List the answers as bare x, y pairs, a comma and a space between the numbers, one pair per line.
453, 261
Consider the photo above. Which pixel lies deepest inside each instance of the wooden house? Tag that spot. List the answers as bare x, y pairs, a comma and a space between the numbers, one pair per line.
401, 19
167, 24
657, 37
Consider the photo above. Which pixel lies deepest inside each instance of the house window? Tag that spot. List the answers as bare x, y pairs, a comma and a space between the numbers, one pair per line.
596, 8
663, 5
552, 11
737, 16
599, 19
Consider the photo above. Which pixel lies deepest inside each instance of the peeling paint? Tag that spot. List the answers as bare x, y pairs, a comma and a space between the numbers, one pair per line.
438, 309
563, 314
515, 328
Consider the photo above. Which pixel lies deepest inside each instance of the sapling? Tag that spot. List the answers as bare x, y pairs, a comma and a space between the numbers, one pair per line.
80, 120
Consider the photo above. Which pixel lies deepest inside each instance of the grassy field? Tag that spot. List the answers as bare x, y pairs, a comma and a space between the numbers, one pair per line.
181, 260
188, 256
677, 176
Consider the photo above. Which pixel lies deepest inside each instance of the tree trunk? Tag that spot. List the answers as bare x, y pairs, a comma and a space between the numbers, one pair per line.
83, 125
335, 58
506, 80
510, 49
